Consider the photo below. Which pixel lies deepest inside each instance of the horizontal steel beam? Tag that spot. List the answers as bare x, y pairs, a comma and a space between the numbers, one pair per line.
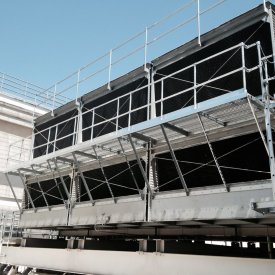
144, 138
176, 129
94, 261
83, 154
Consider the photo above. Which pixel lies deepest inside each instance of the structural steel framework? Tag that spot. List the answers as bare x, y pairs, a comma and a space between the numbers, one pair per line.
119, 157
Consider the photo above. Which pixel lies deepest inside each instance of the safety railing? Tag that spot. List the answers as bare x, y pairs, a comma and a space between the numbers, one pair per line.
28, 92
9, 226
197, 90
138, 49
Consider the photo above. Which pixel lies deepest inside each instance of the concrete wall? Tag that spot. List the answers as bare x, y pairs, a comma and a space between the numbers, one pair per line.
16, 119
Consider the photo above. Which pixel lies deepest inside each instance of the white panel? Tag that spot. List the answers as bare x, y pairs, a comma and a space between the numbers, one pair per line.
133, 263
44, 218
211, 204
131, 209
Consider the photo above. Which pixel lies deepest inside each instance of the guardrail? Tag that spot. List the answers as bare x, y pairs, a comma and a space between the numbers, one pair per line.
52, 137
137, 50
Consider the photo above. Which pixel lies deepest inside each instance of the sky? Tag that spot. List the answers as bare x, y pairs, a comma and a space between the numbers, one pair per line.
43, 41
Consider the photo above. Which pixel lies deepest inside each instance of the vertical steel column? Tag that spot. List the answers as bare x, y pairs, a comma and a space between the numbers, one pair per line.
26, 190
13, 192
83, 179
269, 139
266, 101
140, 165
104, 175
128, 164
213, 155
184, 185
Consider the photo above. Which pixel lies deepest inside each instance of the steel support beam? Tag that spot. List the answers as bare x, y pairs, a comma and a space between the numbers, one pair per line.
33, 171
71, 161
144, 138
83, 154
213, 155
184, 185
216, 120
176, 129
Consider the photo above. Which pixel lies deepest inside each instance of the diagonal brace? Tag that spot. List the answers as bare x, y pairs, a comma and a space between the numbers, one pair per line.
213, 155
62, 180
104, 175
56, 183
26, 190
175, 161
13, 192
140, 164
128, 164
41, 190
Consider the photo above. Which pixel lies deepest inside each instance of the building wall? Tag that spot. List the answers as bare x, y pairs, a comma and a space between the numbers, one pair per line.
16, 120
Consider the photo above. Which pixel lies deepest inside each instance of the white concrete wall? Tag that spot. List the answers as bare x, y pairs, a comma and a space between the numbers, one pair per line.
16, 120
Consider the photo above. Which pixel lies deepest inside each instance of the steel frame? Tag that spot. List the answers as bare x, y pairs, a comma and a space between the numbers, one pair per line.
136, 137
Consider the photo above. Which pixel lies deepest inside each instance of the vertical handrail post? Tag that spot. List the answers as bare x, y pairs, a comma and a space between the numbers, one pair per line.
145, 49
161, 98
199, 22
93, 122
77, 85
117, 115
243, 67
264, 4
195, 86
130, 108
110, 69
53, 101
